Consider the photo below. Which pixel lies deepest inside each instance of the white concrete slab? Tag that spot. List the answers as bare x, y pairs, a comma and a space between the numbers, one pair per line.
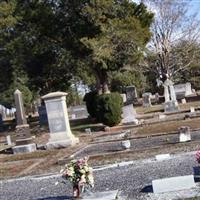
184, 137
108, 195
161, 157
173, 184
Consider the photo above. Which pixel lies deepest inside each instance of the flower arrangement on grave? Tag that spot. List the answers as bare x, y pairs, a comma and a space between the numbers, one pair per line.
198, 156
79, 174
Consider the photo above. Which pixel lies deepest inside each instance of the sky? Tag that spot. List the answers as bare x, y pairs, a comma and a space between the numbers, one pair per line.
195, 6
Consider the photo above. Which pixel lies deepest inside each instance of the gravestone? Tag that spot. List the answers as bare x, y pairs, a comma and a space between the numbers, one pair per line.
171, 104
192, 109
88, 130
129, 115
23, 137
108, 195
78, 112
183, 101
161, 116
60, 132
8, 140
146, 99
161, 157
43, 120
183, 90
131, 94
184, 134
173, 184
123, 97
126, 144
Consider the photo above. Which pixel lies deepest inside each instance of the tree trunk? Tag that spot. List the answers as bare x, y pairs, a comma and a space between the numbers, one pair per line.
102, 82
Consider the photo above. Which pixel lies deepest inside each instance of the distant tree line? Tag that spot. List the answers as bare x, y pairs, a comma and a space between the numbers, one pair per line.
46, 45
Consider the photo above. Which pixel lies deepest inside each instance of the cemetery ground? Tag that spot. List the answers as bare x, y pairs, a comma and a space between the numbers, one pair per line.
155, 135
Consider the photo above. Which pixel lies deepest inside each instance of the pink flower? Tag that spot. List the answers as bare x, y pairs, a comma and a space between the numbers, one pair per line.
198, 156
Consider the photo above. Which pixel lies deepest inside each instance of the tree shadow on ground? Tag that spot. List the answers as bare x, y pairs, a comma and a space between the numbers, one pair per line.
147, 189
57, 198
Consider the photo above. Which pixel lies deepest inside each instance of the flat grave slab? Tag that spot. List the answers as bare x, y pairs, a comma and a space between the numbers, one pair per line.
108, 195
173, 184
161, 157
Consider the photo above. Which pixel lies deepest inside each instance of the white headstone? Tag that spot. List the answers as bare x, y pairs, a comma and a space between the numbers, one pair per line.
161, 157
126, 144
88, 130
183, 101
8, 140
192, 109
184, 137
161, 116
129, 114
123, 97
60, 132
73, 116
173, 184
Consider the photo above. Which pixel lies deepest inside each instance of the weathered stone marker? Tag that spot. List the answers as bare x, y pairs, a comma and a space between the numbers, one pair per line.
129, 115
108, 195
161, 157
126, 144
173, 184
171, 104
146, 99
23, 137
60, 132
184, 134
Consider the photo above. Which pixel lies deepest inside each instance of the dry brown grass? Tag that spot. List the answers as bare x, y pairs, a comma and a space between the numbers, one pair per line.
159, 108
13, 169
165, 127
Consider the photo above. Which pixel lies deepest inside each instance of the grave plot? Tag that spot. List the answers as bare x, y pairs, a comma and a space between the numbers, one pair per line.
135, 144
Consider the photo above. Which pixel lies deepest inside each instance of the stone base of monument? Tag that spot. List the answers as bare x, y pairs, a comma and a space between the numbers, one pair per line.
129, 115
171, 106
23, 135
57, 144
24, 148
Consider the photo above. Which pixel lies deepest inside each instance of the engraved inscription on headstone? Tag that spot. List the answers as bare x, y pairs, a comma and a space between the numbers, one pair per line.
60, 132
56, 117
131, 94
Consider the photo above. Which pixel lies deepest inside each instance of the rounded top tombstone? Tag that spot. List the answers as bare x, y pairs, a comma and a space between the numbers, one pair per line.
55, 95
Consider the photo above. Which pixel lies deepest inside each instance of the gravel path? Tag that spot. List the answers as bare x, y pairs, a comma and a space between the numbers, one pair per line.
131, 180
136, 144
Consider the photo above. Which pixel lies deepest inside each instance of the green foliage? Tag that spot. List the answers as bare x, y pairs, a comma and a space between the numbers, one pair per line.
123, 33
7, 97
126, 78
90, 100
109, 108
50, 42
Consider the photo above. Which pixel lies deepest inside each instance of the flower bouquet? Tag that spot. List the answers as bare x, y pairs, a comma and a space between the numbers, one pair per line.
198, 156
79, 174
